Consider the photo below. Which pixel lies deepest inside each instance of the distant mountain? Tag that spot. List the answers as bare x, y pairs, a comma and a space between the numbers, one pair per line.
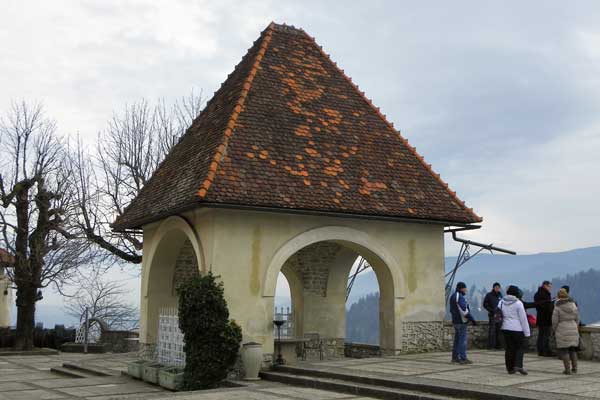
526, 271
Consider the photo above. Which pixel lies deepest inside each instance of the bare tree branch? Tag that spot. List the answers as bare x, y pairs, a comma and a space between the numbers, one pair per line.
126, 155
35, 206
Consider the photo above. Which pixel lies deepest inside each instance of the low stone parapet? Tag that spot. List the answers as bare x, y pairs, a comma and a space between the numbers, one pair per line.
590, 338
361, 350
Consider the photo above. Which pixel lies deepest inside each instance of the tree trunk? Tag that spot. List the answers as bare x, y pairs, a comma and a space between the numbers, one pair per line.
26, 298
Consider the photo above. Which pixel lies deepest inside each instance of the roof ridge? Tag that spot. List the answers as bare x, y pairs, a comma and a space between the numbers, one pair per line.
222, 148
391, 126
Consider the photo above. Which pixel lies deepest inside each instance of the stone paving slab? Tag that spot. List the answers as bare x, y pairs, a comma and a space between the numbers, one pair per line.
29, 378
33, 394
488, 373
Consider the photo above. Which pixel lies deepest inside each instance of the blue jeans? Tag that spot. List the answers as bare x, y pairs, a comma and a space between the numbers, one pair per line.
459, 349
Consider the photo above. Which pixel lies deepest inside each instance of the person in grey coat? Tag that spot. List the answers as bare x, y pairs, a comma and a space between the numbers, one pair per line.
565, 324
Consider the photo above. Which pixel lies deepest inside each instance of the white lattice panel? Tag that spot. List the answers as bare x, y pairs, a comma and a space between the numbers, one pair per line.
170, 339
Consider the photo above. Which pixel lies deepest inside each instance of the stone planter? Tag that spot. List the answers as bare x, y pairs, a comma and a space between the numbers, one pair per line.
170, 378
151, 373
252, 357
135, 369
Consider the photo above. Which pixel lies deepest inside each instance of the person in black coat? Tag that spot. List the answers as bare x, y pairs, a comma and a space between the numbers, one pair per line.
545, 307
490, 302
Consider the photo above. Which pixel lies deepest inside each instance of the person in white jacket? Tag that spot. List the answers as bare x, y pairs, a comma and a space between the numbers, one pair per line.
515, 329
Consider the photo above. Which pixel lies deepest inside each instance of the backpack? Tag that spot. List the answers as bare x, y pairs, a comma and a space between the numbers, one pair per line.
532, 320
498, 317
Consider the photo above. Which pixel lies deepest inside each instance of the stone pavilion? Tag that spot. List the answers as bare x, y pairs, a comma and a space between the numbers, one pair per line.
291, 169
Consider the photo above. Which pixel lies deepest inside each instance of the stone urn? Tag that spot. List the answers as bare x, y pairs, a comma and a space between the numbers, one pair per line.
252, 358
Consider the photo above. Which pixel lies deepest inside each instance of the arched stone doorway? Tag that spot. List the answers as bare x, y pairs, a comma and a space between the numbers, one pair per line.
175, 257
317, 264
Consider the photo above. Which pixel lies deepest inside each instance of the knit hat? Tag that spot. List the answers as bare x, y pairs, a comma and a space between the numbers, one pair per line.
460, 285
563, 294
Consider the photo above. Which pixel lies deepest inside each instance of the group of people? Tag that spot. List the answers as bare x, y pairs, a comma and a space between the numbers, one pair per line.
508, 320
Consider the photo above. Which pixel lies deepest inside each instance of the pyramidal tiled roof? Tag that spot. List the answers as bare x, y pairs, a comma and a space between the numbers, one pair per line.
289, 130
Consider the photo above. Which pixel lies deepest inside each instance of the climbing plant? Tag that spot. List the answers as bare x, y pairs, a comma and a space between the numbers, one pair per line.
212, 341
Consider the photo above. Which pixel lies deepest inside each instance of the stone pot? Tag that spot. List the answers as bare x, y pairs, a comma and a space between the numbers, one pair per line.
151, 373
252, 358
135, 369
170, 378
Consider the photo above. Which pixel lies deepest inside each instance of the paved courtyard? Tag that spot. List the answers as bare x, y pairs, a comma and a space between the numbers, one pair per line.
487, 373
30, 378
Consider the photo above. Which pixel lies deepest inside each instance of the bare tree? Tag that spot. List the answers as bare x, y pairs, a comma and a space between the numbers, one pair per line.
36, 209
104, 299
127, 154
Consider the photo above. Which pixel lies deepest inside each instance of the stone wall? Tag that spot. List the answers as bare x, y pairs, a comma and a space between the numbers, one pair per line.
186, 266
590, 337
421, 336
120, 341
312, 265
361, 350
477, 336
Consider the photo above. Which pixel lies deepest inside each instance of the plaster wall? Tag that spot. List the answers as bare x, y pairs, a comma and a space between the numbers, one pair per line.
247, 250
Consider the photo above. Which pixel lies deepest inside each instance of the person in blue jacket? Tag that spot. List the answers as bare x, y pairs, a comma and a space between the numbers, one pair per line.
461, 315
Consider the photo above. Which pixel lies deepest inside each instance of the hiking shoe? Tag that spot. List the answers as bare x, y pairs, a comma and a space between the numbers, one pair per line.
455, 360
522, 371
574, 370
567, 372
466, 361
512, 372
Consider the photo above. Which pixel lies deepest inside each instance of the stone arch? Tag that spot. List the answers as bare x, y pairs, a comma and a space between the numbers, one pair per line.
350, 237
390, 277
175, 253
172, 231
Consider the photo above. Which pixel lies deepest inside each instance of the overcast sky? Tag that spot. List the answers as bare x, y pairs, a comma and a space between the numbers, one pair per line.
503, 98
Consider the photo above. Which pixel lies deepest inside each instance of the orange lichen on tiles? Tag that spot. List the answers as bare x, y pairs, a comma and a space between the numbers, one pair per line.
250, 155
368, 187
273, 162
324, 184
307, 182
333, 170
299, 157
311, 151
337, 201
303, 130
254, 147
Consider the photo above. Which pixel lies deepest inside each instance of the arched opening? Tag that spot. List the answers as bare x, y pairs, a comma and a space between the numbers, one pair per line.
318, 276
362, 304
174, 260
283, 308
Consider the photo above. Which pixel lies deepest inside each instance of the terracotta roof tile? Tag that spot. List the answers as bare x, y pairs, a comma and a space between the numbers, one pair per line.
288, 129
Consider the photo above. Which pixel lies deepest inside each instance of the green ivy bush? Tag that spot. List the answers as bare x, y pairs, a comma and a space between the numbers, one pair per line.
212, 341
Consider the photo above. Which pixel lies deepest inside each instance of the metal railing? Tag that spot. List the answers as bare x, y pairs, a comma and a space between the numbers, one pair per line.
286, 315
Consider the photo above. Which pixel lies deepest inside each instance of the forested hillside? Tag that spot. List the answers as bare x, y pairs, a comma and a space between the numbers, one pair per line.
362, 320
363, 316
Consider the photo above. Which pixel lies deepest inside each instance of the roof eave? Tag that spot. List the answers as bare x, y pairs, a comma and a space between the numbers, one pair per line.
138, 224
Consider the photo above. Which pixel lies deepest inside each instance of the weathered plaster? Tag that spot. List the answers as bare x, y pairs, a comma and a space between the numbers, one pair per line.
247, 250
